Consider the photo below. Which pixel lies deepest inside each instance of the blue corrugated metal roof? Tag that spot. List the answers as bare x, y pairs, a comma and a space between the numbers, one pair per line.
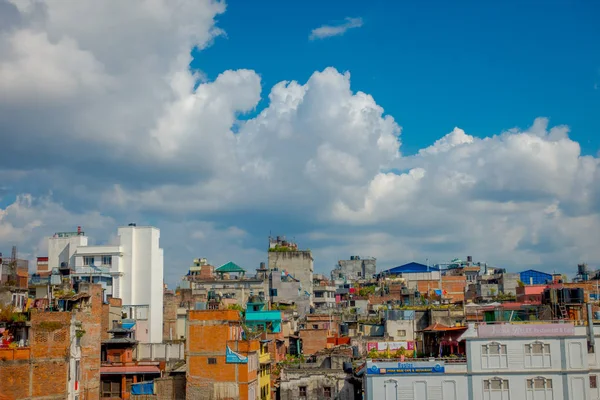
412, 267
532, 276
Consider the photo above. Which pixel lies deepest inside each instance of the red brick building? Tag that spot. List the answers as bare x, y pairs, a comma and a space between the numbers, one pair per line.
62, 355
219, 362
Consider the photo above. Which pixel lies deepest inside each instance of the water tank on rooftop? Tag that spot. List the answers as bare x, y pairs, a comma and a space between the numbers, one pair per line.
344, 329
577, 295
133, 224
347, 367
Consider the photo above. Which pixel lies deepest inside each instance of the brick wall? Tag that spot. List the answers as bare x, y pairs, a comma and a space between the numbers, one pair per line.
48, 371
16, 378
90, 317
209, 332
313, 340
45, 374
170, 305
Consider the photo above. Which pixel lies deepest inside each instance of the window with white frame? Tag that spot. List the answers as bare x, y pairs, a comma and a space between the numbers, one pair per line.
106, 260
252, 362
537, 355
494, 356
496, 389
539, 388
88, 261
401, 333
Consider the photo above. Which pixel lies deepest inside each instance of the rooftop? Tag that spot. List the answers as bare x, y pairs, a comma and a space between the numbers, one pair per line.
230, 267
412, 267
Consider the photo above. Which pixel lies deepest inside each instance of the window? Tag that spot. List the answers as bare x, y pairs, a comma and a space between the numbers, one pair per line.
212, 361
537, 355
273, 292
401, 333
88, 261
302, 391
539, 388
593, 382
106, 260
496, 389
77, 371
327, 392
494, 356
315, 326
111, 389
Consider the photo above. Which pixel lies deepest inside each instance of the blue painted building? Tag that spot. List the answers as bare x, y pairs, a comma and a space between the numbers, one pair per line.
259, 318
533, 277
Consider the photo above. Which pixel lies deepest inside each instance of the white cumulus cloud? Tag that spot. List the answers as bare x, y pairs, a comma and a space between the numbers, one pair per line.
119, 129
326, 31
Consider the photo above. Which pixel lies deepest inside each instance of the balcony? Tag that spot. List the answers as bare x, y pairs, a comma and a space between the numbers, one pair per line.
19, 353
264, 358
93, 270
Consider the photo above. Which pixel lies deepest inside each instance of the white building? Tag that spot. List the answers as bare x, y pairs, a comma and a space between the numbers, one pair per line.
549, 361
62, 247
324, 296
131, 270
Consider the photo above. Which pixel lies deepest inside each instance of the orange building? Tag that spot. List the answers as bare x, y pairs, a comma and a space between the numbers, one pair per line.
220, 363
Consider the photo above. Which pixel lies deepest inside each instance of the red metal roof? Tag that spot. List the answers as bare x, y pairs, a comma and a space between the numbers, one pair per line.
134, 369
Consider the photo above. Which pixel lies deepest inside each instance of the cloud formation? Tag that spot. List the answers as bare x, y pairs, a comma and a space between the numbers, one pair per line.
326, 31
112, 143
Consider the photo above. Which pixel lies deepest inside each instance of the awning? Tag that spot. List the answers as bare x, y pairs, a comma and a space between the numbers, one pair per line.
134, 369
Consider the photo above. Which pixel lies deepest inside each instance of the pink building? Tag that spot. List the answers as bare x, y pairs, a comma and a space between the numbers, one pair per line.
530, 293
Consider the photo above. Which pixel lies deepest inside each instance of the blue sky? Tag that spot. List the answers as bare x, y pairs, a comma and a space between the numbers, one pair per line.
483, 66
115, 128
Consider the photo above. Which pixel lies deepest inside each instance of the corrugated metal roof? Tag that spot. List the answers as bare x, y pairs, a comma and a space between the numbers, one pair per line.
412, 267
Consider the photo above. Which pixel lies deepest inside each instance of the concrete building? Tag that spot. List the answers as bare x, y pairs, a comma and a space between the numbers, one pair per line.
287, 290
323, 292
219, 363
228, 283
400, 329
285, 256
504, 361
61, 249
131, 270
355, 268
322, 378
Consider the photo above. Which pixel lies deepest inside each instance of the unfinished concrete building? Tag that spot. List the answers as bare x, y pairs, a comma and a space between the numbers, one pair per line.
355, 268
285, 256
